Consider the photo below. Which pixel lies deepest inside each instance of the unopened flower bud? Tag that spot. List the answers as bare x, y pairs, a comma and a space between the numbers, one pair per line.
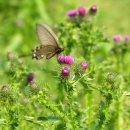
33, 85
4, 90
10, 55
111, 77
84, 65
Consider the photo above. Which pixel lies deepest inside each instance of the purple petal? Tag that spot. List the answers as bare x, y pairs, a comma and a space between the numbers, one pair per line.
127, 37
72, 13
117, 38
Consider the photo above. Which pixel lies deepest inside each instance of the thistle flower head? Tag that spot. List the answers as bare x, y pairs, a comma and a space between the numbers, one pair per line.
65, 59
4, 90
61, 59
72, 13
30, 77
83, 65
68, 60
127, 38
82, 11
93, 9
111, 77
65, 72
117, 38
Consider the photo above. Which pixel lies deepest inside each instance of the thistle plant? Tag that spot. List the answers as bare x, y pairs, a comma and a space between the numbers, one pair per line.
76, 90
80, 31
120, 49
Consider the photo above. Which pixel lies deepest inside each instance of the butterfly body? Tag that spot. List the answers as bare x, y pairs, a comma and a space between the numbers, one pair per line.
48, 51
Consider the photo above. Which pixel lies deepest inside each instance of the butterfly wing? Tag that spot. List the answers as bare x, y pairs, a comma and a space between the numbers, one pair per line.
50, 55
46, 36
43, 51
48, 40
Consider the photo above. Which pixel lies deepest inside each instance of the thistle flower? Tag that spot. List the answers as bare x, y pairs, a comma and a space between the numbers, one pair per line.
111, 77
30, 77
82, 11
61, 59
72, 13
117, 38
83, 65
93, 9
4, 90
68, 60
65, 72
127, 38
65, 59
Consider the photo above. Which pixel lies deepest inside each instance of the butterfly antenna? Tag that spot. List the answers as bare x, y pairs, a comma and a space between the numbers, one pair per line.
27, 55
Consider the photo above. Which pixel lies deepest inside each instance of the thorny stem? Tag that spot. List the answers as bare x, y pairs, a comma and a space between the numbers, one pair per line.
84, 75
70, 98
34, 121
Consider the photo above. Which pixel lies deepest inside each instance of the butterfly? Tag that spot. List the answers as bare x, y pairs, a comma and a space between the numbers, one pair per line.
48, 43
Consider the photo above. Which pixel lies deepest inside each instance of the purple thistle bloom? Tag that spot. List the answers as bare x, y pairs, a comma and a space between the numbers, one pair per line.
127, 38
65, 72
84, 65
82, 11
93, 9
61, 59
72, 13
117, 38
68, 60
30, 77
65, 59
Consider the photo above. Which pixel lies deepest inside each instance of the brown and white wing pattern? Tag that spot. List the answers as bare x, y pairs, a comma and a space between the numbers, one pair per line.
49, 43
43, 51
46, 36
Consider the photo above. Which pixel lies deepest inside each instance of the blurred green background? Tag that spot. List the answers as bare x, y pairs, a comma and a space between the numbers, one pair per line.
18, 19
